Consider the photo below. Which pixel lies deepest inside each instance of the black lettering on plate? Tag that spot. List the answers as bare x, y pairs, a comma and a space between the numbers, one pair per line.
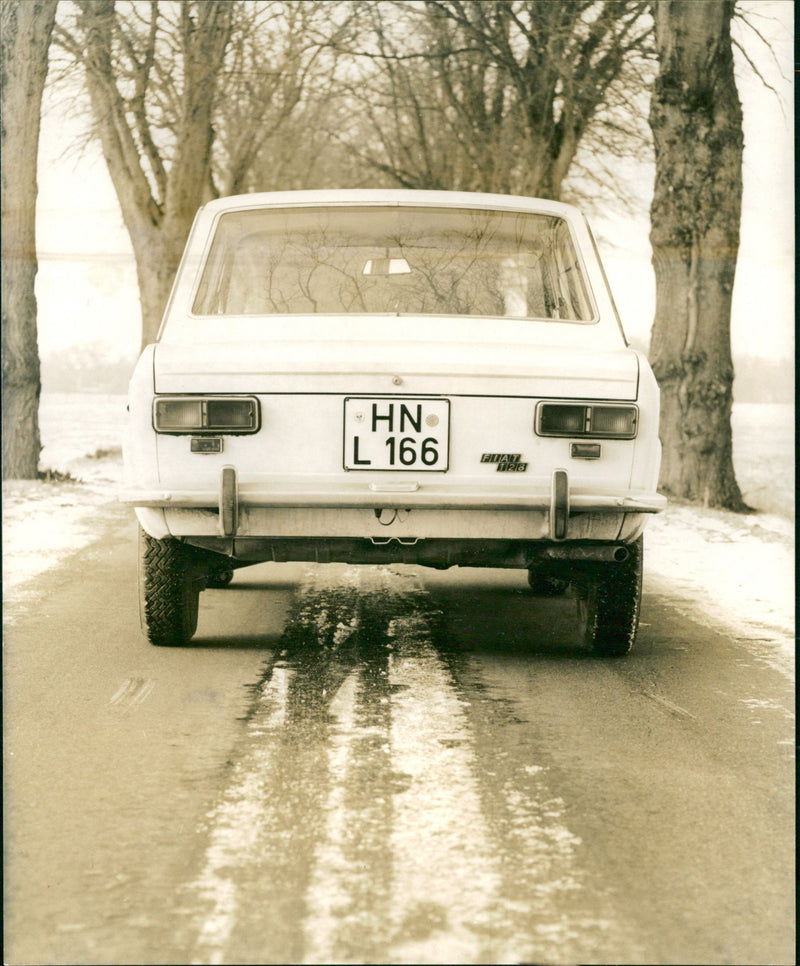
405, 414
356, 460
389, 417
509, 467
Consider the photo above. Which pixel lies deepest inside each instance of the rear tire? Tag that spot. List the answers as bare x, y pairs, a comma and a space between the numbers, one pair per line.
608, 606
169, 591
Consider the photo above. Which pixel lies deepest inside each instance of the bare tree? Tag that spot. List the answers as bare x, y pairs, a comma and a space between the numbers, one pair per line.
185, 96
152, 74
497, 96
303, 140
313, 148
276, 90
696, 119
26, 27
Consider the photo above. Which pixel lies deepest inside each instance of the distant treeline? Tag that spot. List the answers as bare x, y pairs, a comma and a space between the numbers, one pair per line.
89, 370
85, 370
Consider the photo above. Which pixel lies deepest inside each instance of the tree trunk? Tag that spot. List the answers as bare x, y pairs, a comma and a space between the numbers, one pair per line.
158, 210
26, 28
156, 265
696, 119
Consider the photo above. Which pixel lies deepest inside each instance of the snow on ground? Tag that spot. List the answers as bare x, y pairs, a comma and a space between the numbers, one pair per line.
46, 521
734, 569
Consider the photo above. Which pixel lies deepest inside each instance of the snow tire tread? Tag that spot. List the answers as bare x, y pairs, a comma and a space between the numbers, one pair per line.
168, 591
609, 611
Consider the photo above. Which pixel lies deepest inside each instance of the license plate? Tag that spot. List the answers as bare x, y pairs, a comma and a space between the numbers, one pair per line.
396, 433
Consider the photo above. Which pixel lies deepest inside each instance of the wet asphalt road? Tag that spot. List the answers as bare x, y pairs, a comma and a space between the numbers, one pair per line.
356, 764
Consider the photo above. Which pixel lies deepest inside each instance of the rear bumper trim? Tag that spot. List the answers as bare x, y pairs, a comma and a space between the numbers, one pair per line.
254, 496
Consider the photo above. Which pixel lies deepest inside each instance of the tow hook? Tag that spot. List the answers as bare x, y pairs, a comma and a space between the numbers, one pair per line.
397, 515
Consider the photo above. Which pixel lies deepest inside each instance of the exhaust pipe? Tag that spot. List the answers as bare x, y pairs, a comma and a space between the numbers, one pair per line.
602, 553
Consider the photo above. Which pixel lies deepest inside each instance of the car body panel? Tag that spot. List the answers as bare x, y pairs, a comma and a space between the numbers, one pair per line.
424, 361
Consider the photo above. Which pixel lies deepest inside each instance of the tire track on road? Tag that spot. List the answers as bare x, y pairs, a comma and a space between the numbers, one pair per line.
521, 895
248, 898
447, 883
358, 823
238, 823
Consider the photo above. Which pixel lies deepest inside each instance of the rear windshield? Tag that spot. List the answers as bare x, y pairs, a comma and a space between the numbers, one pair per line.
393, 260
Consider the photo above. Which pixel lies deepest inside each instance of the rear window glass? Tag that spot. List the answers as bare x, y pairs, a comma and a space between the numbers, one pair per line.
393, 260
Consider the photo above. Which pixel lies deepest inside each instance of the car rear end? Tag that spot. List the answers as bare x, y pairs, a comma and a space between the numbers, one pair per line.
515, 429
280, 464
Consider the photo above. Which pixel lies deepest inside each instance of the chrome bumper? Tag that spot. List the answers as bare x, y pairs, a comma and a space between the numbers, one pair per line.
558, 499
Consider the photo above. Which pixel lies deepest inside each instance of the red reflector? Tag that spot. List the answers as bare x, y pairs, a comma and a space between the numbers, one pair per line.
206, 444
584, 451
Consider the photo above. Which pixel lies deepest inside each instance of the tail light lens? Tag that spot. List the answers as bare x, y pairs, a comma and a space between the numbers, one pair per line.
615, 421
233, 415
178, 415
562, 420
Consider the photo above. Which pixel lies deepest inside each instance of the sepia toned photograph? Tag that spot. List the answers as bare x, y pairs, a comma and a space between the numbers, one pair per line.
398, 508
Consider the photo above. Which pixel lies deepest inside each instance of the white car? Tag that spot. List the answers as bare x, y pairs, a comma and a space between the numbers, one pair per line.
425, 377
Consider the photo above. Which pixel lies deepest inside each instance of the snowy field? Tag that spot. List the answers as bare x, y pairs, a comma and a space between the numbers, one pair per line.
763, 455
736, 570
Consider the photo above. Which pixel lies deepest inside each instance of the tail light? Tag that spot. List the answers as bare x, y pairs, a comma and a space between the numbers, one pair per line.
606, 421
233, 415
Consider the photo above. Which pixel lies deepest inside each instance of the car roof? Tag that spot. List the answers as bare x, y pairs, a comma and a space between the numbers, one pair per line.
390, 196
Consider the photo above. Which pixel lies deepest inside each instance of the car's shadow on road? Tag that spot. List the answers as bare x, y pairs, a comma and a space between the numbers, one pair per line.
508, 621
492, 613
247, 615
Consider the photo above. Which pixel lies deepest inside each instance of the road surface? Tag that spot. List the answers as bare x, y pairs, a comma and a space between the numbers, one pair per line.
354, 764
